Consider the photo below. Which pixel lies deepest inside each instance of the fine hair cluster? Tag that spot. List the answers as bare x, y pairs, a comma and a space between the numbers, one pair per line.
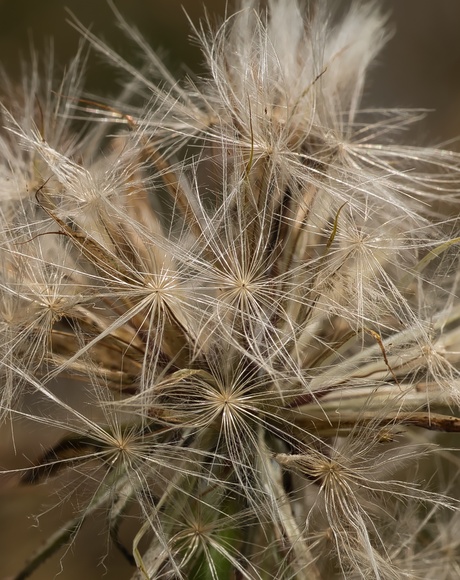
234, 301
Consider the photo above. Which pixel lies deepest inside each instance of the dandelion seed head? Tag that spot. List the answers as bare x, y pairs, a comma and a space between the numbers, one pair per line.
254, 294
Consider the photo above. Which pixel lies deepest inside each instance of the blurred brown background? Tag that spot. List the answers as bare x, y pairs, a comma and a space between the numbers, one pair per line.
420, 67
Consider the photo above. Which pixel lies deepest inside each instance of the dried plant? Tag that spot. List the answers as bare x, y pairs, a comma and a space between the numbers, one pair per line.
237, 302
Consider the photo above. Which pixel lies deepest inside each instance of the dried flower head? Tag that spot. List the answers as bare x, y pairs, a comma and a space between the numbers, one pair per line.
253, 294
